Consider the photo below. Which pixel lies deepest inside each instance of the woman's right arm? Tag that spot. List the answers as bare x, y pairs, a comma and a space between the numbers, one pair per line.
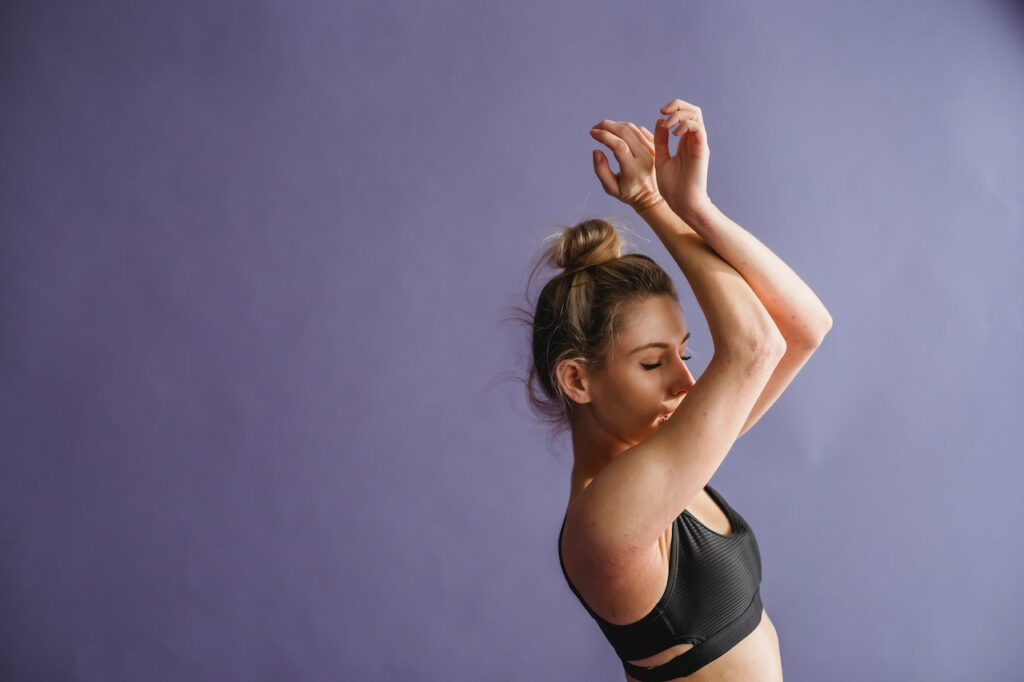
628, 506
735, 315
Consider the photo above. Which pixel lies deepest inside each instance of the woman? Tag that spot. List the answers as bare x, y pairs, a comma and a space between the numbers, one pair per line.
669, 571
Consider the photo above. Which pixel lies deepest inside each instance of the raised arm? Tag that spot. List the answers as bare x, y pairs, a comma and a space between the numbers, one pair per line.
800, 316
626, 508
682, 180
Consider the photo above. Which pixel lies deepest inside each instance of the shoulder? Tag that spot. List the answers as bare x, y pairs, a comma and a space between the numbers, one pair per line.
619, 591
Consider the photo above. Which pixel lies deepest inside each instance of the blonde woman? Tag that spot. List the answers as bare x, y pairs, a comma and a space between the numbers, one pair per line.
668, 569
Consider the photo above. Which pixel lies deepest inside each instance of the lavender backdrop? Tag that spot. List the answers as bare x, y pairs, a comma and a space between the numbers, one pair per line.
256, 413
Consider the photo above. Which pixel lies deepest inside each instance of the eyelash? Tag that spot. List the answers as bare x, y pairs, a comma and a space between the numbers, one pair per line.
650, 367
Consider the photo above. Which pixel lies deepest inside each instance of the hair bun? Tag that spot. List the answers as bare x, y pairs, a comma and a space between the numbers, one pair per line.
585, 244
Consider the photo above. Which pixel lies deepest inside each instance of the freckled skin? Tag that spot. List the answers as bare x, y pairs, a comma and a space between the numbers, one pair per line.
627, 401
748, 294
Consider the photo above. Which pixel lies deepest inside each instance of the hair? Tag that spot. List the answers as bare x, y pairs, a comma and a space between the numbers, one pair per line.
579, 311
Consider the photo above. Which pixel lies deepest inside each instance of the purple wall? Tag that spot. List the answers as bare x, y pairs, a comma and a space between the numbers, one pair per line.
255, 414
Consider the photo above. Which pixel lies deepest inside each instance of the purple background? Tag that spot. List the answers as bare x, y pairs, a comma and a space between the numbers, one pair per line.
257, 411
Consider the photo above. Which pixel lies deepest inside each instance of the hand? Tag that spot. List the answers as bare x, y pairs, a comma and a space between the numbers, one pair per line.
683, 178
633, 148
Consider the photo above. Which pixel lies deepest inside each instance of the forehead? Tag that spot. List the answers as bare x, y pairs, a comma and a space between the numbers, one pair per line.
656, 319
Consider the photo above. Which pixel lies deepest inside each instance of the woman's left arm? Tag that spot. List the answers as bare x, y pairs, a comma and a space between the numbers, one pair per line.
682, 180
797, 312
800, 316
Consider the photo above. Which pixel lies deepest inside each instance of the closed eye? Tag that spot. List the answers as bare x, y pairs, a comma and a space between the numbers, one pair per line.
684, 358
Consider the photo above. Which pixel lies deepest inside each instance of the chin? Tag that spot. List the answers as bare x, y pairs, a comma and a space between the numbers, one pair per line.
652, 429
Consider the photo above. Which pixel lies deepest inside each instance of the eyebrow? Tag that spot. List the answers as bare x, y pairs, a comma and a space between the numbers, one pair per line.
657, 344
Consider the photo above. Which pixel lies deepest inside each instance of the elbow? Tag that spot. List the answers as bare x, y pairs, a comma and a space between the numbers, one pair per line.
762, 346
805, 332
772, 348
814, 331
824, 326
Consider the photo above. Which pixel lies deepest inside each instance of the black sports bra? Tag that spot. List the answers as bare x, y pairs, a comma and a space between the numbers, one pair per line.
712, 599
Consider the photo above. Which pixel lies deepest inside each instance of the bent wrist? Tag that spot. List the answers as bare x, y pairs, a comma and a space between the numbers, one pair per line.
647, 203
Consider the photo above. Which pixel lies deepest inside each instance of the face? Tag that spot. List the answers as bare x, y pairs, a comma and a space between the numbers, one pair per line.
645, 376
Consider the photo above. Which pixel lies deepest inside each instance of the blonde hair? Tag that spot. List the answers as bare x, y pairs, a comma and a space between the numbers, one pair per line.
579, 310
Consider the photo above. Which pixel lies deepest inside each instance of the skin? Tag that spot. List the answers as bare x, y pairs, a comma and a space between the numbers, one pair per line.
741, 287
621, 405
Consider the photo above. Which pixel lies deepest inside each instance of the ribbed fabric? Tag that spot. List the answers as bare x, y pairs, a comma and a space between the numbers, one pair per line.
711, 600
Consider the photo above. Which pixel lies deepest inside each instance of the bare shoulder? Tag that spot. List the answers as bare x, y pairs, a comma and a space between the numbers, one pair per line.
621, 592
628, 506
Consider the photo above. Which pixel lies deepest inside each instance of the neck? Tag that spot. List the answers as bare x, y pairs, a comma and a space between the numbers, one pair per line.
593, 449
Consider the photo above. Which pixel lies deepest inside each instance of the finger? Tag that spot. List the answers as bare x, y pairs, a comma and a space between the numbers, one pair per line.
677, 105
626, 131
688, 126
638, 137
605, 175
661, 152
679, 117
649, 139
618, 146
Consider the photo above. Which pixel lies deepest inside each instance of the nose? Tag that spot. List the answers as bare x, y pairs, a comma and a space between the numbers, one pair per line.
682, 381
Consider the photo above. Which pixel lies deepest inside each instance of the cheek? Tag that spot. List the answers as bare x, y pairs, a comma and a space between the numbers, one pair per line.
619, 404
629, 399
643, 397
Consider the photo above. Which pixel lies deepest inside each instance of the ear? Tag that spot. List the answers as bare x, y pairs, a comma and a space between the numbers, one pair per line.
574, 380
